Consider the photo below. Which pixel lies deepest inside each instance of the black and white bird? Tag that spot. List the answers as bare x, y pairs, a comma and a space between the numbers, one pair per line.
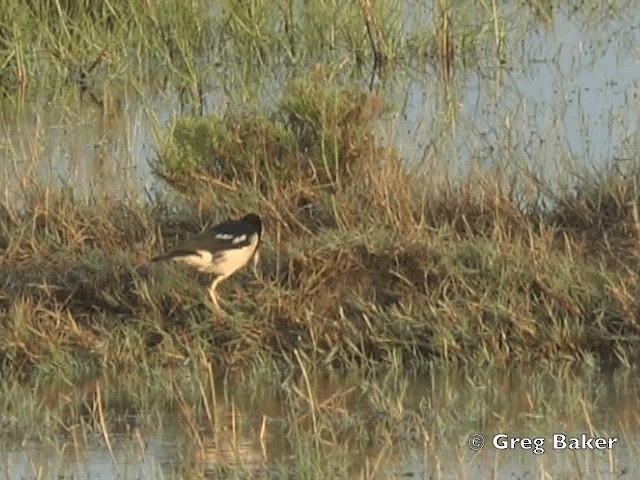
226, 248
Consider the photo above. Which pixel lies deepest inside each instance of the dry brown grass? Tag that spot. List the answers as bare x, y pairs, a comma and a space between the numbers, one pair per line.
362, 260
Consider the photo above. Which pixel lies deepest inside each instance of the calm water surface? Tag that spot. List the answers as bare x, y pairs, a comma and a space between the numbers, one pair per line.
563, 95
421, 425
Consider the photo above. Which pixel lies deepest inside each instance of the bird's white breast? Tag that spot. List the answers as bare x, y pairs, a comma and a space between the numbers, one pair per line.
222, 263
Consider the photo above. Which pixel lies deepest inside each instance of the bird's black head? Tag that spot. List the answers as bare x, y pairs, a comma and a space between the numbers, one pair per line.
253, 220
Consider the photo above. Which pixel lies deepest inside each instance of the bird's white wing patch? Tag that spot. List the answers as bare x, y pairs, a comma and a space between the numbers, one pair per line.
239, 239
223, 236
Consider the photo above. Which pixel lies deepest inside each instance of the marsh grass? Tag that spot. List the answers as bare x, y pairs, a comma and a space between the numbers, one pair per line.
313, 426
52, 48
364, 261
367, 423
370, 267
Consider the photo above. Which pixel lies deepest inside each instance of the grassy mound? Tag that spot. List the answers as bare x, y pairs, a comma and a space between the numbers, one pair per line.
364, 261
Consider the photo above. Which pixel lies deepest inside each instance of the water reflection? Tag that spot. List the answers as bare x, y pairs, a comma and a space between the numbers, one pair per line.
406, 426
564, 100
566, 97
66, 460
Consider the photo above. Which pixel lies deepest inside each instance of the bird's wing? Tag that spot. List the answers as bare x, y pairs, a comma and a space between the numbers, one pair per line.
226, 236
219, 241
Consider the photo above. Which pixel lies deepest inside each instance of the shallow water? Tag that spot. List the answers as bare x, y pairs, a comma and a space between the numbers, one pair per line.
416, 426
561, 95
567, 98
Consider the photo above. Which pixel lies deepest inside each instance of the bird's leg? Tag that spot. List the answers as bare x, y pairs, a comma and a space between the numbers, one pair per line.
256, 258
212, 293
